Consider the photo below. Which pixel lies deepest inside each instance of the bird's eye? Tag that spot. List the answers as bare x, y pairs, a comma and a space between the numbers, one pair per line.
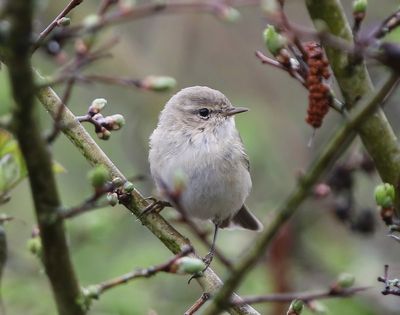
204, 112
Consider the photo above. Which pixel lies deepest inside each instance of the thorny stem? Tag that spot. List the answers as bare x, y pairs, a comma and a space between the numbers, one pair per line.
342, 138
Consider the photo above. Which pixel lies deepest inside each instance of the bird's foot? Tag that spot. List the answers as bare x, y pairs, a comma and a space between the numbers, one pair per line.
156, 206
207, 261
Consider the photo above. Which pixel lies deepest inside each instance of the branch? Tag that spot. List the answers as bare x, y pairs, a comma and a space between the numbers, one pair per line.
54, 23
392, 286
338, 143
171, 238
304, 296
216, 7
172, 266
376, 133
56, 257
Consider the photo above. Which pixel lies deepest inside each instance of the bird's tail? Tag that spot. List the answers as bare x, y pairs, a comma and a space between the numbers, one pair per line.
245, 219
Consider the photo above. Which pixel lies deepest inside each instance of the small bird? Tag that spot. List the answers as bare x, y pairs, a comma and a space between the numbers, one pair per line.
196, 137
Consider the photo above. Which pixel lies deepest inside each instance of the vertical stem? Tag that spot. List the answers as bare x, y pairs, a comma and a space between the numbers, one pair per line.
376, 133
56, 257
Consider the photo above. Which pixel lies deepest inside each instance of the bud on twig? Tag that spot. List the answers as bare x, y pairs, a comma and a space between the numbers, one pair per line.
98, 176
112, 199
34, 245
64, 21
384, 195
128, 187
97, 105
104, 134
296, 307
273, 40
187, 265
229, 14
158, 83
117, 182
360, 6
346, 280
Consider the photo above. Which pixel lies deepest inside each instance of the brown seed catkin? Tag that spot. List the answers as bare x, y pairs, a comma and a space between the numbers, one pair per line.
319, 98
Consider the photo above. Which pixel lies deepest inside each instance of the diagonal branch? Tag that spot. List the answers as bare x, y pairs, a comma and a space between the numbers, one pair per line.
338, 143
376, 133
56, 257
171, 238
53, 24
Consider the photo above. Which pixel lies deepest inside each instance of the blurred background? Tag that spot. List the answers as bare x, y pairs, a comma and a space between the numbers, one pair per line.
199, 49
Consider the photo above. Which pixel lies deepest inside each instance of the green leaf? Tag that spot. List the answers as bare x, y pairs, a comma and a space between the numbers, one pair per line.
12, 164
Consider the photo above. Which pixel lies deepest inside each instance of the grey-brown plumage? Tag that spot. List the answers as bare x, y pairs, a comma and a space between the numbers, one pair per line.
196, 137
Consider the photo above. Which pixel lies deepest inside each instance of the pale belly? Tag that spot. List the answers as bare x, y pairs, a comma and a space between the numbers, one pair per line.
214, 188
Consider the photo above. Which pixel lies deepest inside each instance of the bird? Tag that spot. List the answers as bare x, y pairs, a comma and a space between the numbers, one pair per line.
197, 140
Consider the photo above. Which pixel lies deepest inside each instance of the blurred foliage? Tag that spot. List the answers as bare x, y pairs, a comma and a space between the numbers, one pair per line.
196, 49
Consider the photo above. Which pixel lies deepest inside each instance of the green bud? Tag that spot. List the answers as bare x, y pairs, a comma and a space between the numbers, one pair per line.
270, 6
345, 280
229, 14
64, 21
360, 6
91, 20
117, 121
384, 195
34, 245
97, 105
91, 292
128, 187
158, 83
112, 199
188, 265
117, 182
98, 176
317, 307
127, 4
273, 40
104, 134
296, 307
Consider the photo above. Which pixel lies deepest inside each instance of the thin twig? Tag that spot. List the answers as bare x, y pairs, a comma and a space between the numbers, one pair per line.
215, 7
269, 61
304, 296
392, 286
98, 289
53, 24
198, 304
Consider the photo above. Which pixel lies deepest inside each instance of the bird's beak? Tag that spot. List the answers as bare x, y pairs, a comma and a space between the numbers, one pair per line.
235, 110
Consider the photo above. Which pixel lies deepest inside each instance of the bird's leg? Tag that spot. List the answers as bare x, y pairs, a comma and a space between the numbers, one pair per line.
209, 257
155, 206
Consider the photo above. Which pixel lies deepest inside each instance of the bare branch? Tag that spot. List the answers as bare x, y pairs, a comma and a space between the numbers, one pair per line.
53, 24
304, 296
56, 257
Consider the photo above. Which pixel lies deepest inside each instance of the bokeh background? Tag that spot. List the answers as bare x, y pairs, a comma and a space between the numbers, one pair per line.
198, 49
